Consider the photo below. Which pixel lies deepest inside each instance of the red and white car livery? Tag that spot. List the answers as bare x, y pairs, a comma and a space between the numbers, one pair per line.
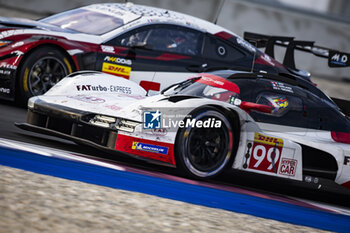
151, 46
201, 126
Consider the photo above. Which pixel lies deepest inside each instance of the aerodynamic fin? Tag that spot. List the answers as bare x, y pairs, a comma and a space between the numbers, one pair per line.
335, 58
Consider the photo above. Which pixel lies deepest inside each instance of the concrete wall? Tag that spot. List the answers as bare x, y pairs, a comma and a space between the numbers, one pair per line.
240, 16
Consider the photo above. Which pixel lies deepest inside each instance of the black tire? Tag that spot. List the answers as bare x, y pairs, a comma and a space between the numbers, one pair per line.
203, 153
40, 70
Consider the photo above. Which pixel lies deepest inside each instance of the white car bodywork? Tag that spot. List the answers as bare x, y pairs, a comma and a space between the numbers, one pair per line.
92, 92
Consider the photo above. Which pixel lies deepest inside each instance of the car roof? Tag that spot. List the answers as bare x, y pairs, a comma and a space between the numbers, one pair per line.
148, 15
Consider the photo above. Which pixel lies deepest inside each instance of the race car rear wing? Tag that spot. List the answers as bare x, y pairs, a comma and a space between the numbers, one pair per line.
344, 105
335, 58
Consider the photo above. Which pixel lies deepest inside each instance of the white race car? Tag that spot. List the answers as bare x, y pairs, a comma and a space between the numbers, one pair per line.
201, 126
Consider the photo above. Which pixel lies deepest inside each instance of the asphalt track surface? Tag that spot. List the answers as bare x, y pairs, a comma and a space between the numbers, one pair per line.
10, 113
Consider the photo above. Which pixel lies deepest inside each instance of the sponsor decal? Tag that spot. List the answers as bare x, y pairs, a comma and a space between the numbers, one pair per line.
136, 97
125, 143
20, 43
118, 60
150, 148
107, 49
17, 53
268, 59
154, 120
265, 154
219, 82
5, 72
9, 33
7, 66
87, 99
111, 88
106, 9
221, 50
260, 138
5, 90
281, 87
288, 167
124, 71
245, 44
159, 132
113, 107
347, 160
74, 51
337, 59
213, 81
281, 102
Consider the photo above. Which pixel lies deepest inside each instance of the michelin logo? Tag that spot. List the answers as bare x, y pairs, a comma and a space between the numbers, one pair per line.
150, 148
118, 60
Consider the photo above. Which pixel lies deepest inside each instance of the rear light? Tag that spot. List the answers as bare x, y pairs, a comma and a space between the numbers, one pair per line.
341, 137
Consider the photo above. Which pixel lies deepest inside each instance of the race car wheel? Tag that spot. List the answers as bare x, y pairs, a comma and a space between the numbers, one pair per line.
40, 71
204, 152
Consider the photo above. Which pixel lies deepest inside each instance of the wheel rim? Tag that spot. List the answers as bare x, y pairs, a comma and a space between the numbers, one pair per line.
45, 73
208, 150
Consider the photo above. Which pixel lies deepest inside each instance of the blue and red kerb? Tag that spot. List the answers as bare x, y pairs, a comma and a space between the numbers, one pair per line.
125, 144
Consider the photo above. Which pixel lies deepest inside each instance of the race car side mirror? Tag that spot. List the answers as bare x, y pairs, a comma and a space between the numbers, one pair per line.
249, 106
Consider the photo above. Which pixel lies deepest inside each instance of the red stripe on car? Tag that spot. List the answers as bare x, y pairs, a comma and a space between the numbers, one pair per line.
171, 57
216, 81
125, 144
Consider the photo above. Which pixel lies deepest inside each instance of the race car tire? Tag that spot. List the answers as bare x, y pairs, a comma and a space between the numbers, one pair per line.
40, 70
202, 153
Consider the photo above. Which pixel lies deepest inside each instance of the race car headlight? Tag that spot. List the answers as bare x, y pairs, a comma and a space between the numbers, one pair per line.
102, 121
126, 125
113, 123
105, 119
4, 43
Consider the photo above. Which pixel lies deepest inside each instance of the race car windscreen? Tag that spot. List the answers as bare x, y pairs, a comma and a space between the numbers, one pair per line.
194, 87
85, 21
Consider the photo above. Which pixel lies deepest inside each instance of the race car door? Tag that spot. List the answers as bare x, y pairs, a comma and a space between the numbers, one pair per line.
157, 55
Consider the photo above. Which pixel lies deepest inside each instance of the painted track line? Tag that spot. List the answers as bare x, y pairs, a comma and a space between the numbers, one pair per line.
180, 191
